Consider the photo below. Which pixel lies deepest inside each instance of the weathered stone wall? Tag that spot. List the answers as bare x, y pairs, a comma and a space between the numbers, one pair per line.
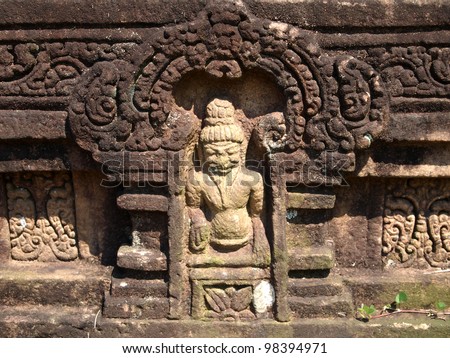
340, 112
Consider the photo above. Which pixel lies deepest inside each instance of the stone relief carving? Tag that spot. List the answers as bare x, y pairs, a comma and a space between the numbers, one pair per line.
232, 299
327, 108
356, 109
230, 303
41, 217
334, 104
225, 205
51, 69
417, 224
224, 198
413, 71
123, 100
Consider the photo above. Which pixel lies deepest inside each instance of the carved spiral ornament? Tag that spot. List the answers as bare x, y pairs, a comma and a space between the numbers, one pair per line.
335, 104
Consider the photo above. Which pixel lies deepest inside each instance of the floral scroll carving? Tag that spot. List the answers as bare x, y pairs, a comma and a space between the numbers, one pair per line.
336, 104
413, 71
51, 69
42, 217
95, 107
230, 303
224, 43
417, 224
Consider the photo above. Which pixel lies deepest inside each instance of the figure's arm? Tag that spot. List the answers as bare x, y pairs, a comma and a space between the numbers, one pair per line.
200, 232
261, 249
194, 202
256, 197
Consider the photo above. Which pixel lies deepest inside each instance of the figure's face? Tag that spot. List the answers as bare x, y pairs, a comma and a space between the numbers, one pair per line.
220, 158
356, 103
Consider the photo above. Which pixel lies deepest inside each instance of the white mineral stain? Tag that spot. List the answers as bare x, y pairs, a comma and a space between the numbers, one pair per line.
263, 297
135, 238
422, 326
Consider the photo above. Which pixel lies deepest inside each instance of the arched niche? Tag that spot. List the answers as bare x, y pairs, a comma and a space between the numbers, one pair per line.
255, 96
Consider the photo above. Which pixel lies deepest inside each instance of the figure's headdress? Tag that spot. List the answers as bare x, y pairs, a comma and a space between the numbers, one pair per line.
220, 125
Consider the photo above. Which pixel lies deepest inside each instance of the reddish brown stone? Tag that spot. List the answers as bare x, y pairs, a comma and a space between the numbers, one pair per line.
46, 284
139, 258
5, 243
32, 124
138, 287
142, 202
100, 223
136, 307
311, 258
256, 161
310, 201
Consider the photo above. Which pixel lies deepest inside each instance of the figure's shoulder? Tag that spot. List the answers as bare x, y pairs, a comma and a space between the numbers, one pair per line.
194, 179
251, 174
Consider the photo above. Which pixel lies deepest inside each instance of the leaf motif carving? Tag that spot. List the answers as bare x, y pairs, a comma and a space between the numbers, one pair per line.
242, 299
217, 299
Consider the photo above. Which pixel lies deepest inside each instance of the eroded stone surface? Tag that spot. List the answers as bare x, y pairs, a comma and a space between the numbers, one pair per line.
225, 157
41, 217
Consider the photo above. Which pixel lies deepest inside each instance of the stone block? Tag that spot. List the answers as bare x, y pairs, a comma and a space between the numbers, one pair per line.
136, 307
61, 284
322, 306
311, 258
310, 287
139, 258
32, 124
143, 202
310, 201
138, 287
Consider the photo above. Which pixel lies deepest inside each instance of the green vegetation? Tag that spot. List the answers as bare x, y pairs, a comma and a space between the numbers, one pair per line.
366, 313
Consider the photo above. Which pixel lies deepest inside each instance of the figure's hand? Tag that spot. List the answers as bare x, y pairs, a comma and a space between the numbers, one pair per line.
199, 237
261, 248
200, 230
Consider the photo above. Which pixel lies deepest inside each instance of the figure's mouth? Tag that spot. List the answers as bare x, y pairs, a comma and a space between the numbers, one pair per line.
219, 170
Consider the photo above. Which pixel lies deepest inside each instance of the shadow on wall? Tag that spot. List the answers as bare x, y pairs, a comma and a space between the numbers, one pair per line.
102, 227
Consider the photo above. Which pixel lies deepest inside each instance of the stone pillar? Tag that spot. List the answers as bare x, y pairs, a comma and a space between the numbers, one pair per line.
138, 288
5, 245
280, 254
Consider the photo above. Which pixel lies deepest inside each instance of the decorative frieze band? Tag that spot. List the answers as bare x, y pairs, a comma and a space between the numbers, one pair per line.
417, 224
41, 217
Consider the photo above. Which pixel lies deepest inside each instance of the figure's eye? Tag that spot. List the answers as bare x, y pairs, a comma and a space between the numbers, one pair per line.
349, 101
233, 151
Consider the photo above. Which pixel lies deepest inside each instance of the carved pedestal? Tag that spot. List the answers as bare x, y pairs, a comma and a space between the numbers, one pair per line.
139, 288
231, 294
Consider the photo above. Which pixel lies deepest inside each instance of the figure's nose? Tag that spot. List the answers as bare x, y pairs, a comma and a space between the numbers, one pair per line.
222, 161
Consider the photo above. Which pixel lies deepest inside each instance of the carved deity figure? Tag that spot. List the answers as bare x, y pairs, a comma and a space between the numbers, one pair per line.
224, 198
